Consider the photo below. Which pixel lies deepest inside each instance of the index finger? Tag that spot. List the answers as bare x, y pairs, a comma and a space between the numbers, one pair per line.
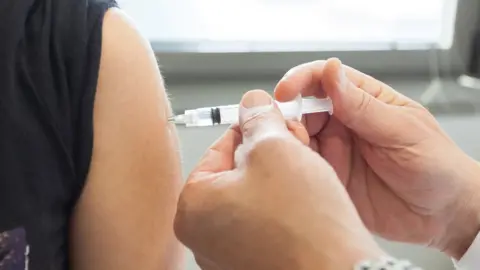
220, 156
306, 79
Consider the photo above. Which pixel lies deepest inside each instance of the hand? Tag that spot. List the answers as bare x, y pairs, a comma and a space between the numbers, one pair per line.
276, 205
407, 178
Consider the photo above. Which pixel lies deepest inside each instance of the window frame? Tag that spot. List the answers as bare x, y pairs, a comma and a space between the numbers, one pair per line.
400, 62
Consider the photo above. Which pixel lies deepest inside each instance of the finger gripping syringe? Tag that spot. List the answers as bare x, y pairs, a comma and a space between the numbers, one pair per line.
228, 114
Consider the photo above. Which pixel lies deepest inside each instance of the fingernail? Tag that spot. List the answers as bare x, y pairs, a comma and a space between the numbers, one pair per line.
256, 98
254, 103
342, 78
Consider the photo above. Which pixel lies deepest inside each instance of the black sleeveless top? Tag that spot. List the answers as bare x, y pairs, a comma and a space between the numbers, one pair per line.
49, 61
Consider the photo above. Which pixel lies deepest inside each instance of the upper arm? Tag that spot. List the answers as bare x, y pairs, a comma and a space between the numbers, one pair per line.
124, 218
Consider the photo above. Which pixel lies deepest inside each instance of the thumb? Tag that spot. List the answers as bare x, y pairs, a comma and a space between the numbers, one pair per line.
368, 116
260, 118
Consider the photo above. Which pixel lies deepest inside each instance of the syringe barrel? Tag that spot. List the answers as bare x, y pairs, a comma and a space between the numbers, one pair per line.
209, 116
228, 114
291, 110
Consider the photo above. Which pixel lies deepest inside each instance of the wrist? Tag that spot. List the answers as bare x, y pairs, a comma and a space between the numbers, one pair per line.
343, 254
465, 223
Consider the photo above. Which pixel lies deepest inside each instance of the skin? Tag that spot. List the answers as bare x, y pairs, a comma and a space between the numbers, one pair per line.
408, 180
124, 218
261, 199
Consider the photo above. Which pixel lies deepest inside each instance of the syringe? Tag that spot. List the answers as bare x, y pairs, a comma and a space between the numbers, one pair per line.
228, 114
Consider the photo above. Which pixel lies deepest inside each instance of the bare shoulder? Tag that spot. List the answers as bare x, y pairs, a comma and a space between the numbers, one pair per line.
130, 84
124, 217
124, 49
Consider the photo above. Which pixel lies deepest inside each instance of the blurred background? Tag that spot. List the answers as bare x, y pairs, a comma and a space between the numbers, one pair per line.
212, 51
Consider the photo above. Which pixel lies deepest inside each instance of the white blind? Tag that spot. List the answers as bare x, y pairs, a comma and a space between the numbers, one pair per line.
225, 25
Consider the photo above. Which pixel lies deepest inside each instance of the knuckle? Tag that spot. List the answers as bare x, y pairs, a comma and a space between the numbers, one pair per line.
360, 110
253, 120
264, 125
364, 103
258, 117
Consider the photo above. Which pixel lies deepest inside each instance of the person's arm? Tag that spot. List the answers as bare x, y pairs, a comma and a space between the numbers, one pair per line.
124, 218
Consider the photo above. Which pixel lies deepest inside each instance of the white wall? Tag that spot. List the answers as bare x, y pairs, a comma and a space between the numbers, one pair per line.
209, 93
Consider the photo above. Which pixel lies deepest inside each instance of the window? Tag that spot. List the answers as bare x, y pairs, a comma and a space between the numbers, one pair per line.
267, 37
294, 25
